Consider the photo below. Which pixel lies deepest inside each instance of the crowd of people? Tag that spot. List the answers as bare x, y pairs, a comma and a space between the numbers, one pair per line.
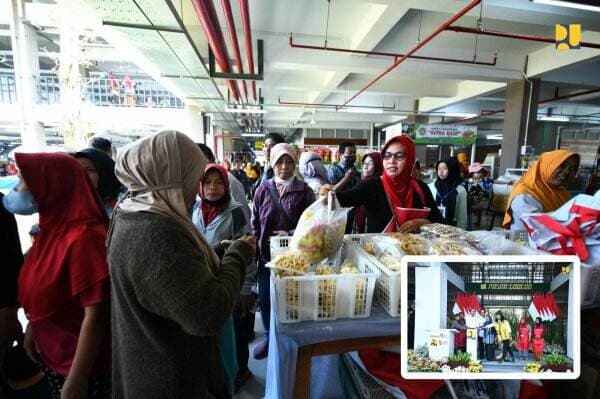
144, 277
497, 333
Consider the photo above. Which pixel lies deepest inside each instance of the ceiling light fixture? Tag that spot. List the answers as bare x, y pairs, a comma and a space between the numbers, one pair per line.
568, 4
553, 118
252, 135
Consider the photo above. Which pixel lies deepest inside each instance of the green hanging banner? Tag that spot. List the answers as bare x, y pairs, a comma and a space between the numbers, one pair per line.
445, 134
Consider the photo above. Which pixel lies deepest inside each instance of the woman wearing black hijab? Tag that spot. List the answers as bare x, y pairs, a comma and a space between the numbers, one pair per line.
450, 196
101, 171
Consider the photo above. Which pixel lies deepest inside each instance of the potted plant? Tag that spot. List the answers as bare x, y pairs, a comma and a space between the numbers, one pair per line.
556, 362
460, 359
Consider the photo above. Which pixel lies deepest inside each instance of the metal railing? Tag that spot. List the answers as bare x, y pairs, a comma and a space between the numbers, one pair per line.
8, 88
98, 91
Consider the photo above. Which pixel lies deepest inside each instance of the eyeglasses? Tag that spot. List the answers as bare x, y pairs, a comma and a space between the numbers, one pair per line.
367, 164
399, 156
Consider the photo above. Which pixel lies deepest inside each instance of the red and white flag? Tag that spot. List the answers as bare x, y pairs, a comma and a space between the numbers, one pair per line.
465, 302
544, 306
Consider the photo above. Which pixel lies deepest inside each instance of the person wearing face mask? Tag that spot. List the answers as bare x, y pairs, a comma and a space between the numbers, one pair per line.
101, 171
450, 196
278, 205
220, 219
395, 188
344, 174
542, 187
312, 170
171, 294
64, 284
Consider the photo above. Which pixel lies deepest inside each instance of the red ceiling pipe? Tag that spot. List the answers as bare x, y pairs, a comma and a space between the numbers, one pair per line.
208, 19
397, 62
245, 13
546, 101
510, 35
386, 54
234, 42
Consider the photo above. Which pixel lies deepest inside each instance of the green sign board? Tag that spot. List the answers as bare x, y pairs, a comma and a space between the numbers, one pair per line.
445, 134
506, 288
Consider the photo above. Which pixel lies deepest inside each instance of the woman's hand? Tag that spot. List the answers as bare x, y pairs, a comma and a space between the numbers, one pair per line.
250, 240
29, 345
413, 226
325, 189
74, 388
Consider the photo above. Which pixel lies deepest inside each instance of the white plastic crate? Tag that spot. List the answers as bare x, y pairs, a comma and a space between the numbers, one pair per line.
387, 289
325, 297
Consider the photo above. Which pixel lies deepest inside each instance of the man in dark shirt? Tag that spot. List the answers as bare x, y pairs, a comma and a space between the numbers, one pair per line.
345, 167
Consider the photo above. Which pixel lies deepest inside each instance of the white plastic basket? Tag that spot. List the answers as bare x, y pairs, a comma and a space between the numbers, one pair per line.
387, 289
325, 297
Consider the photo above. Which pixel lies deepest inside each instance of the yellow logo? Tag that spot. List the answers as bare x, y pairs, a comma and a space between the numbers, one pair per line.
567, 38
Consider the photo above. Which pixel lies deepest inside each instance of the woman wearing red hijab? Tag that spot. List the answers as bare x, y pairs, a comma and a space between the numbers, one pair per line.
64, 283
396, 188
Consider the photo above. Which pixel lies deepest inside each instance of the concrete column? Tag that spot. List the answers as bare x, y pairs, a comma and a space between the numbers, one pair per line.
431, 286
520, 117
194, 124
27, 72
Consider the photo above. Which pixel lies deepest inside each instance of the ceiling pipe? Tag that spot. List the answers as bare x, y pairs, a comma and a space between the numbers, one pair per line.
431, 36
336, 106
516, 36
546, 101
226, 5
386, 54
209, 21
245, 14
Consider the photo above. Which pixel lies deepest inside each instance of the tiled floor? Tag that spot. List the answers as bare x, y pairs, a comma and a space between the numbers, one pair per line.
255, 387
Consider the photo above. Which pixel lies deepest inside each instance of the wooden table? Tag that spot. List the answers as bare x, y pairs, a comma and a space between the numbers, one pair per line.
305, 354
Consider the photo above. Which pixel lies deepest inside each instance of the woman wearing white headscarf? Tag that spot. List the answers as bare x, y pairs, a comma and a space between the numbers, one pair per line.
170, 294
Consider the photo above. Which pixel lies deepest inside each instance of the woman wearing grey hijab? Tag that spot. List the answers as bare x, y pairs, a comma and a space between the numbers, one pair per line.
170, 293
312, 170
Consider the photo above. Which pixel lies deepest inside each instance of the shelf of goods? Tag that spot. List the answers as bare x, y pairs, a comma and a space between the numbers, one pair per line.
342, 288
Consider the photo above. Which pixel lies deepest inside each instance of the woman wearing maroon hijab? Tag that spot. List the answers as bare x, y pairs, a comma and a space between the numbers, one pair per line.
64, 282
394, 189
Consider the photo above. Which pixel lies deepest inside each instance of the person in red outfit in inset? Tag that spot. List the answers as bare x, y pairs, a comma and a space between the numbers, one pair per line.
64, 283
460, 338
537, 339
523, 335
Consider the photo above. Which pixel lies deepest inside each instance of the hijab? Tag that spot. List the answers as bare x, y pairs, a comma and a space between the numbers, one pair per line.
377, 161
160, 171
108, 184
311, 166
446, 188
278, 151
536, 182
400, 189
210, 209
72, 227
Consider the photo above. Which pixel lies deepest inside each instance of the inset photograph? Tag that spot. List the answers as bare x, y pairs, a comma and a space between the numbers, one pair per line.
474, 317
